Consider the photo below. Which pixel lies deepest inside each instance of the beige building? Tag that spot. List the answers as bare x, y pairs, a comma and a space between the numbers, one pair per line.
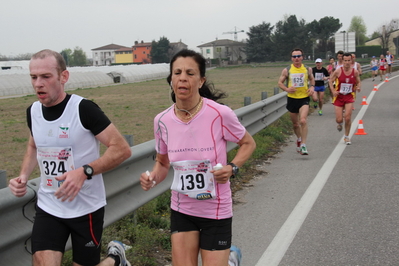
105, 55
393, 45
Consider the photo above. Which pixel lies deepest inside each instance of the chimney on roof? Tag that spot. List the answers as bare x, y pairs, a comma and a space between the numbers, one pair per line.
142, 41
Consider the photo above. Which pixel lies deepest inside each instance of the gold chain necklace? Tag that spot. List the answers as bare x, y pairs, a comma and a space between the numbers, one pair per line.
198, 105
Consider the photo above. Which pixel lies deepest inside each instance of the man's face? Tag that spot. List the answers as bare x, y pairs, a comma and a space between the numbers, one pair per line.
296, 57
46, 81
347, 61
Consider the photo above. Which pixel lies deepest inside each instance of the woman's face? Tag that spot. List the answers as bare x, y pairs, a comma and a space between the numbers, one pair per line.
332, 60
186, 79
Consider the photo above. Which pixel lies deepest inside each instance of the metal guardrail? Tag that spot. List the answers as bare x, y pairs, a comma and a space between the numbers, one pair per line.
367, 68
124, 193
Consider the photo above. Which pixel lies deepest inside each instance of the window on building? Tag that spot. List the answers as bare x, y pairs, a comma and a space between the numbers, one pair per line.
208, 51
143, 52
218, 49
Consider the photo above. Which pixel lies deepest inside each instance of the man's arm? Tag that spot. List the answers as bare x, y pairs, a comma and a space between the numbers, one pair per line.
117, 151
333, 77
358, 81
281, 80
18, 184
283, 77
311, 81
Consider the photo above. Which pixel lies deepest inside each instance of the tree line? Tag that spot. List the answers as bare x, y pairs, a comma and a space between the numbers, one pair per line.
266, 42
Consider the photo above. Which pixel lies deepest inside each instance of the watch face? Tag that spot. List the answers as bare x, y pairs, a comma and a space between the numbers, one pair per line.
88, 170
235, 170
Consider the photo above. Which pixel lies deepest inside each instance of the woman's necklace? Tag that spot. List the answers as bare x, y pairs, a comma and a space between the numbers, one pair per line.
189, 115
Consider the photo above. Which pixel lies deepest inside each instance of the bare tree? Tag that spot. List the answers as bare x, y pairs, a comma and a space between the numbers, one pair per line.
385, 33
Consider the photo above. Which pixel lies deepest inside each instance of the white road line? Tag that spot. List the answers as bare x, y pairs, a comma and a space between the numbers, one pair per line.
283, 239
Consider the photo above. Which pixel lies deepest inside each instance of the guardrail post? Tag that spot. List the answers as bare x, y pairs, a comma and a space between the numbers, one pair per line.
133, 215
276, 91
263, 95
3, 179
247, 101
129, 139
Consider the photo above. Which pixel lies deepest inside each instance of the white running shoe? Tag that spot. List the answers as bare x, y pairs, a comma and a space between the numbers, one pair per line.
347, 141
304, 151
235, 256
117, 248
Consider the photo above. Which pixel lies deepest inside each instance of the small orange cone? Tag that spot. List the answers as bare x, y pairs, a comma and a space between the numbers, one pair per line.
386, 79
364, 101
360, 129
375, 88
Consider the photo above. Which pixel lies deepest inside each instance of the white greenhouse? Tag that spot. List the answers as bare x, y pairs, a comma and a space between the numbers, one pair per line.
15, 79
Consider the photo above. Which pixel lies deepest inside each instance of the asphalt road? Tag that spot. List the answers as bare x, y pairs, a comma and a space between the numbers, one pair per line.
336, 206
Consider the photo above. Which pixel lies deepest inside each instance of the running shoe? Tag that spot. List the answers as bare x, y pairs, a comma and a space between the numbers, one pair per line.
117, 248
298, 145
304, 151
315, 106
320, 112
235, 256
373, 79
339, 127
347, 141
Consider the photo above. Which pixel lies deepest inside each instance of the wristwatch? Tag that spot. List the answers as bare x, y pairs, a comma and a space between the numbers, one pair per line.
235, 169
88, 170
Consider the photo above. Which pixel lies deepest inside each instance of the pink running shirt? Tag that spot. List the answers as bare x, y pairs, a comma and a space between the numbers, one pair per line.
204, 137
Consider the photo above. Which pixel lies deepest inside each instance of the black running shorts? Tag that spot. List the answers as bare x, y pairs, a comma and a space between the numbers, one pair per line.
214, 234
51, 233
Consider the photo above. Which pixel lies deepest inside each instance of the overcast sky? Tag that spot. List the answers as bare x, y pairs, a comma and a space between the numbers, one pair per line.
27, 26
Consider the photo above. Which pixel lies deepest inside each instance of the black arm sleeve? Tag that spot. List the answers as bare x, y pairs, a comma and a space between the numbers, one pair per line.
92, 117
28, 118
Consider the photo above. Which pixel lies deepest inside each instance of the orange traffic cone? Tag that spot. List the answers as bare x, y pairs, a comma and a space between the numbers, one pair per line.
386, 79
360, 129
375, 88
364, 101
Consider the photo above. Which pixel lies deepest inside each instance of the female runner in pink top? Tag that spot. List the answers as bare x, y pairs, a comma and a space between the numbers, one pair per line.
191, 136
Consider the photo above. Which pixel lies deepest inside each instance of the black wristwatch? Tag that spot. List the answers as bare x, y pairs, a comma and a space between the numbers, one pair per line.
235, 169
88, 170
